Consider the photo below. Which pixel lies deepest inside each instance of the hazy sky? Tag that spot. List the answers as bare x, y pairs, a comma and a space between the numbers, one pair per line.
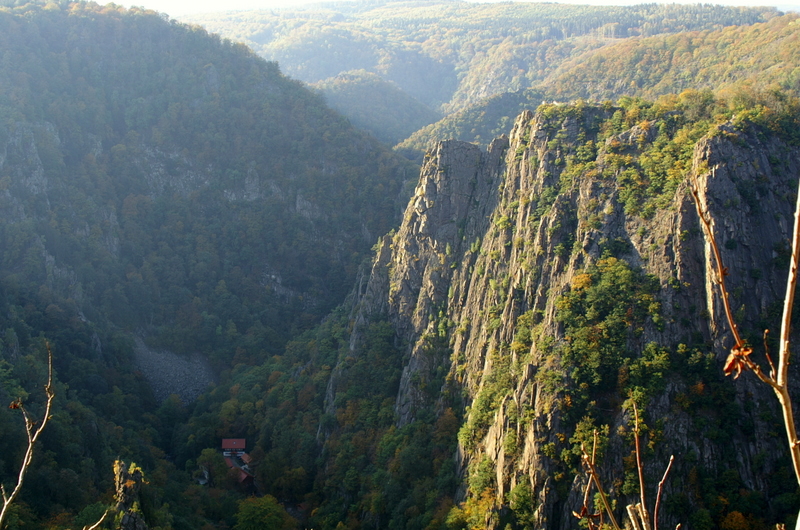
176, 8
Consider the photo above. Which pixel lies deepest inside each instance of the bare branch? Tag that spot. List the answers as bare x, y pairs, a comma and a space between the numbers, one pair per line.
639, 468
721, 270
784, 352
33, 435
660, 490
592, 472
739, 357
633, 515
772, 372
586, 512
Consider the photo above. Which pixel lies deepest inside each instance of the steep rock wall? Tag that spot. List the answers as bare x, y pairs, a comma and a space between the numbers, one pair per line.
492, 242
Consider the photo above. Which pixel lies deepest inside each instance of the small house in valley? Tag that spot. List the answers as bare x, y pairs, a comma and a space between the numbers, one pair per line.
233, 446
233, 450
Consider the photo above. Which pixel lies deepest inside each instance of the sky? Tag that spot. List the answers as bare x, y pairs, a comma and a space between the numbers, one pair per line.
176, 8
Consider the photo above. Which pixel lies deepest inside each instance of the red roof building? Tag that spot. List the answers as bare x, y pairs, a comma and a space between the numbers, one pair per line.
233, 446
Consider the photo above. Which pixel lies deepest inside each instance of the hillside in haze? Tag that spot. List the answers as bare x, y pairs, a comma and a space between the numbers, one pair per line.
159, 184
375, 105
451, 55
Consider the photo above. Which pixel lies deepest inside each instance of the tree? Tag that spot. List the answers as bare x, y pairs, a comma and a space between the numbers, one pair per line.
262, 513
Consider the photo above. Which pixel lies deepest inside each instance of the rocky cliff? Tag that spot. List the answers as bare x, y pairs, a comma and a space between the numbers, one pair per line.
561, 275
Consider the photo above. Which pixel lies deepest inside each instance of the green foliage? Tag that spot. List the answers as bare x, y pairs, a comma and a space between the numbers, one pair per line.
482, 477
480, 123
728, 58
494, 390
187, 201
90, 515
523, 504
603, 315
583, 438
342, 454
262, 513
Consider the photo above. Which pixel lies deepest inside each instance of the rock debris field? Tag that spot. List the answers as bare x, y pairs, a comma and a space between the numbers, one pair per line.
169, 373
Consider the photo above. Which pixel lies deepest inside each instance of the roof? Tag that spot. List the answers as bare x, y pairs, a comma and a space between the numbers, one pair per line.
233, 443
242, 475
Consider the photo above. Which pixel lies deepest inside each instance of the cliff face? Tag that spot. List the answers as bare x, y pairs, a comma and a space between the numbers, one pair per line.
561, 279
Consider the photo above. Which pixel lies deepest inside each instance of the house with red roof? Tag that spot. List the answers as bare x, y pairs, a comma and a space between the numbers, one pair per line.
233, 450
233, 446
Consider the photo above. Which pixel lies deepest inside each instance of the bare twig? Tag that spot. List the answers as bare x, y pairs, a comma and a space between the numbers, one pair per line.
660, 490
739, 359
99, 522
586, 512
721, 270
639, 468
33, 433
772, 372
633, 515
586, 493
592, 472
782, 389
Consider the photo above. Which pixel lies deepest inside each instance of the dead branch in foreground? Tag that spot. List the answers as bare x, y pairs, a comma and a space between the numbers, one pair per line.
33, 433
739, 358
637, 512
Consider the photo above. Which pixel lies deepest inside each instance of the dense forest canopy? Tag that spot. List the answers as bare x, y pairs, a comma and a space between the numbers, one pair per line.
193, 157
455, 53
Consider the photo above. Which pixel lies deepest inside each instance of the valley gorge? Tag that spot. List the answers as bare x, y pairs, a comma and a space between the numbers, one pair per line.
214, 255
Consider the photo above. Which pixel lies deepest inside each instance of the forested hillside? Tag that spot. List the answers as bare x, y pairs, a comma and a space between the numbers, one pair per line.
734, 60
375, 105
159, 184
480, 123
761, 56
450, 55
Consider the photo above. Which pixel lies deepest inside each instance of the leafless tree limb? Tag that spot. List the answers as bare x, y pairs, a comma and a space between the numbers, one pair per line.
33, 433
660, 490
593, 475
643, 505
739, 358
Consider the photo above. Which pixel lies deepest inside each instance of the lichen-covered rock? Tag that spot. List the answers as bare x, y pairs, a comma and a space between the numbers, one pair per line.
128, 482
